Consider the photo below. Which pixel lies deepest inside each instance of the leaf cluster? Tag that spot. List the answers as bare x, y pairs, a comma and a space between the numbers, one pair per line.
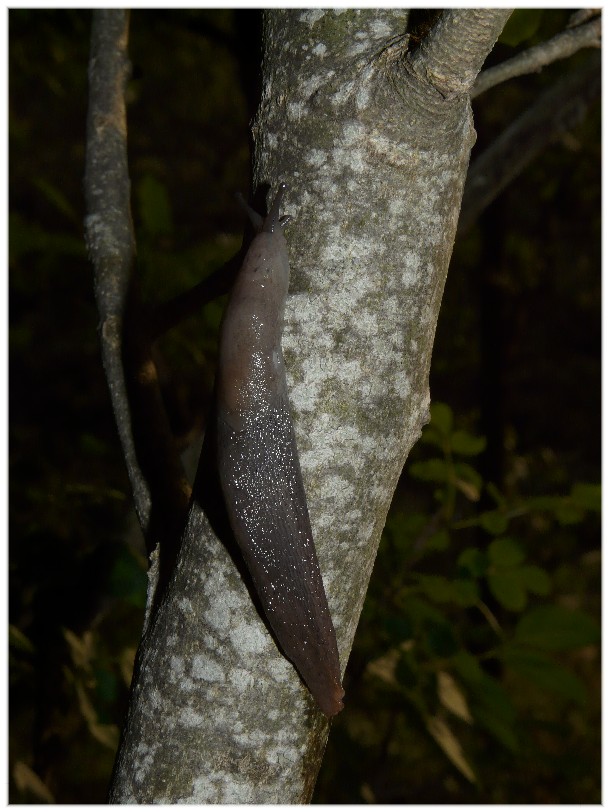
474, 625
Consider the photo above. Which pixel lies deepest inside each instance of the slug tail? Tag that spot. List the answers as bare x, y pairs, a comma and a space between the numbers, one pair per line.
266, 502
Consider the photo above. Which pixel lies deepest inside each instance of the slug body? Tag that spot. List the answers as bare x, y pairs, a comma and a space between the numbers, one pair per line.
259, 467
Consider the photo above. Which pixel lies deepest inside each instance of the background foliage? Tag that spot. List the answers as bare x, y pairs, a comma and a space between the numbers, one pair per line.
475, 672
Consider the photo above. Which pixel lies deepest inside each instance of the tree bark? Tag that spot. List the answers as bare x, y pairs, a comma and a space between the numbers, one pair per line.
373, 141
109, 229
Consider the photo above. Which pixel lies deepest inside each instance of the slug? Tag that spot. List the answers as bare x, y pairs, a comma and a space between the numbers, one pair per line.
259, 467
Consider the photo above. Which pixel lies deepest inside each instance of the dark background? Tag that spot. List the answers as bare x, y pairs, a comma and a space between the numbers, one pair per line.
517, 358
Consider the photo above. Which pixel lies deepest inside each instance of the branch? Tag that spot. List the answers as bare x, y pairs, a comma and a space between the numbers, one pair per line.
582, 15
468, 33
161, 492
534, 59
109, 228
559, 109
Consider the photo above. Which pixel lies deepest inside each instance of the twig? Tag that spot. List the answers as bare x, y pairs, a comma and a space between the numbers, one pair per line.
534, 59
582, 15
109, 229
559, 109
160, 489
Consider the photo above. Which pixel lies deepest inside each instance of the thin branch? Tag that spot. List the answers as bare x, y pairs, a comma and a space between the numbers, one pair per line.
559, 109
109, 228
582, 15
534, 59
161, 492
470, 33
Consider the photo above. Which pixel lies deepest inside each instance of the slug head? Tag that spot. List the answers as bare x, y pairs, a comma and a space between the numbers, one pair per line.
272, 221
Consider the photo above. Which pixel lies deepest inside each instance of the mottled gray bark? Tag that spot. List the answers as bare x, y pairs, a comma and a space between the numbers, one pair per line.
109, 229
374, 143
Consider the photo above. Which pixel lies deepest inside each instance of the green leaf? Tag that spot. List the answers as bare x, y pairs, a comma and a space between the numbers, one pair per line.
545, 673
451, 746
494, 522
432, 436
465, 592
57, 199
504, 730
489, 704
505, 552
401, 529
554, 628
452, 697
536, 579
472, 562
441, 417
17, 640
27, 781
508, 582
569, 514
420, 611
154, 206
495, 494
588, 496
436, 587
464, 443
508, 589
468, 480
494, 710
569, 509
468, 489
468, 667
438, 541
434, 470
543, 503
521, 26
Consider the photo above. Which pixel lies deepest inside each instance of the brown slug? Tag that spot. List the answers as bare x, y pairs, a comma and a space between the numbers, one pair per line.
259, 466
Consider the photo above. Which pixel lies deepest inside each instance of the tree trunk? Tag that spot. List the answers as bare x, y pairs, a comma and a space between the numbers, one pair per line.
373, 141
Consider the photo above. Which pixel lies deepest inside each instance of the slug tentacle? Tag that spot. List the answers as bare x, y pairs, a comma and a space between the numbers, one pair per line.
272, 220
259, 467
